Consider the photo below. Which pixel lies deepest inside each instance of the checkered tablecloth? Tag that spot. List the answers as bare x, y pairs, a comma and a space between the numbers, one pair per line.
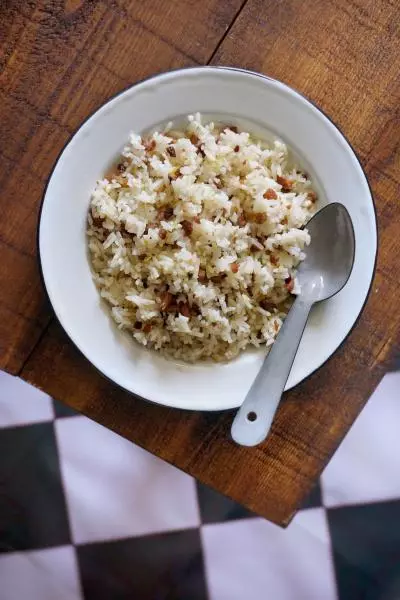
85, 514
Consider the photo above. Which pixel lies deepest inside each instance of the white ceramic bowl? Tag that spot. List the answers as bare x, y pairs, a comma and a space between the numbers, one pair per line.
253, 101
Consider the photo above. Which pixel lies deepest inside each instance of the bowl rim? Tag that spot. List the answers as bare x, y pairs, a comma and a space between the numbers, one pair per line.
182, 70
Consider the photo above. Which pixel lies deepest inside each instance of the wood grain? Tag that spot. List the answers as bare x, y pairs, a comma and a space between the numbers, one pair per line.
59, 60
345, 57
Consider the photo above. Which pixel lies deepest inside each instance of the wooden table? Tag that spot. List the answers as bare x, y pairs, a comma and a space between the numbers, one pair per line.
61, 60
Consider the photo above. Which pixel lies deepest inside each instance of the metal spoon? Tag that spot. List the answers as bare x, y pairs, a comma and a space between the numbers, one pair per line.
323, 274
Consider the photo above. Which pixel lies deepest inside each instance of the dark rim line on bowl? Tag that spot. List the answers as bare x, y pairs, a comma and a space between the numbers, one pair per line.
222, 68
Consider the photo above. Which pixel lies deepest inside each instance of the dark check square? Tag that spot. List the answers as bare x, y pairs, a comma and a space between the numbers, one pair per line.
155, 567
32, 505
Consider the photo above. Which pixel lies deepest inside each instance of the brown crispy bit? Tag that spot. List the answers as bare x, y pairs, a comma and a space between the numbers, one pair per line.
236, 148
270, 194
187, 227
194, 139
97, 221
184, 309
241, 220
141, 256
284, 221
196, 220
166, 213
171, 151
201, 151
172, 308
166, 300
233, 128
286, 183
218, 183
202, 276
138, 325
266, 305
218, 278
289, 283
276, 326
147, 328
254, 248
120, 167
312, 196
163, 234
260, 218
195, 309
150, 145
234, 267
273, 260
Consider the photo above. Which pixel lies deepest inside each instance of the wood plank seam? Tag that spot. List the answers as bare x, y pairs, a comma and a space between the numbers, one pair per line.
221, 41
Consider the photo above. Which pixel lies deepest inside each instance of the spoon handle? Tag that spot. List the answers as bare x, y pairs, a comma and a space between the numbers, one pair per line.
254, 418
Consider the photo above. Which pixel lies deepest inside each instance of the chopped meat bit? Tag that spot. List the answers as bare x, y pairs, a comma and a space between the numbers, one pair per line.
276, 326
147, 328
138, 325
233, 128
194, 139
201, 151
97, 221
196, 220
163, 234
172, 308
286, 183
218, 183
184, 309
120, 167
241, 220
202, 276
166, 300
260, 218
284, 221
150, 145
312, 196
266, 305
171, 151
273, 260
289, 283
166, 213
270, 194
218, 278
187, 227
195, 309
254, 248
236, 148
234, 267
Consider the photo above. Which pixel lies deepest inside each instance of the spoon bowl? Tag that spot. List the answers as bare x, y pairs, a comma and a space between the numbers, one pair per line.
324, 272
330, 255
